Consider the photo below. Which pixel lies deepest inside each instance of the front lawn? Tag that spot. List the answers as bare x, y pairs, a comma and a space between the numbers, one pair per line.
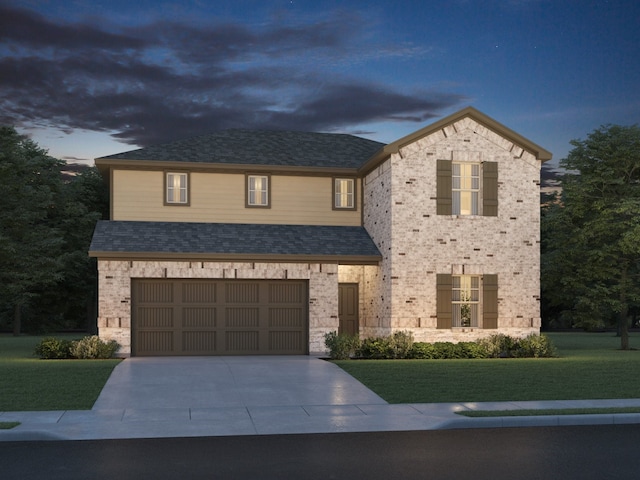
590, 366
28, 383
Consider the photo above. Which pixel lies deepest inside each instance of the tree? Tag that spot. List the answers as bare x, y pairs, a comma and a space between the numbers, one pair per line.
84, 201
30, 244
591, 235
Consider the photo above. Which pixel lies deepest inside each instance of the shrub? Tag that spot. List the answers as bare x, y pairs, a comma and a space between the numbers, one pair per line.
51, 348
400, 344
472, 350
447, 350
340, 345
93, 347
499, 345
423, 351
535, 346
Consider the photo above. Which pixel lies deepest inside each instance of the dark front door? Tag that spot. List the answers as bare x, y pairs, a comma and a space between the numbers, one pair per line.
348, 308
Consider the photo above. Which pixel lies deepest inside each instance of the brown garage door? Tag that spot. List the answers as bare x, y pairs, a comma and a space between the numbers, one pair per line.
219, 317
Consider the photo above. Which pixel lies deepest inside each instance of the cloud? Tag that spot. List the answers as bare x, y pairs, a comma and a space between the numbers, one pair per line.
170, 79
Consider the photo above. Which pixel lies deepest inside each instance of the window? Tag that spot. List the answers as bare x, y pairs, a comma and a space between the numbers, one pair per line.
465, 191
177, 188
467, 188
465, 300
258, 191
344, 194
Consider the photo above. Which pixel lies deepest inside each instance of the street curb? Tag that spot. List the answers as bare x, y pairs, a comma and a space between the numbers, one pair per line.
543, 421
29, 436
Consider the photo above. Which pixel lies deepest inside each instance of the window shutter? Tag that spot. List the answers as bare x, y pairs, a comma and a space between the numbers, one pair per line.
444, 287
490, 189
443, 190
490, 301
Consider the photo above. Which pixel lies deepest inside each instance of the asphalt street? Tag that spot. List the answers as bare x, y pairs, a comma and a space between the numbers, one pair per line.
576, 452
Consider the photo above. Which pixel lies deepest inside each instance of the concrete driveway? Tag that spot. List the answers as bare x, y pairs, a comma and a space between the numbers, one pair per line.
214, 382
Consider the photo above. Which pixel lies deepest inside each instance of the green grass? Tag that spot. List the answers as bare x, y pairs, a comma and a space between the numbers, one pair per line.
28, 383
8, 425
547, 411
590, 366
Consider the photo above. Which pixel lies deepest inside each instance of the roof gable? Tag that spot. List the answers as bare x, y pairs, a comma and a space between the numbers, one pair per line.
469, 112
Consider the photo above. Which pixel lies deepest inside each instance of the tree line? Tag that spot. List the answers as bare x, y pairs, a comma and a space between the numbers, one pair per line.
590, 235
47, 217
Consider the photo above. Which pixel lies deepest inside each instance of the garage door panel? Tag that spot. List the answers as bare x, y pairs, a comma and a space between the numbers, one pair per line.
239, 317
200, 292
219, 317
155, 317
242, 341
286, 317
285, 342
197, 342
155, 291
286, 293
199, 317
243, 293
156, 343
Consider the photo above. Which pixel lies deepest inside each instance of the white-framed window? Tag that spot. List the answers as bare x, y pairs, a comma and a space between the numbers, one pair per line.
344, 193
465, 301
177, 188
257, 190
465, 181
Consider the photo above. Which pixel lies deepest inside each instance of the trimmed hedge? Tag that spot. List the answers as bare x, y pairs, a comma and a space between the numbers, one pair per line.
401, 345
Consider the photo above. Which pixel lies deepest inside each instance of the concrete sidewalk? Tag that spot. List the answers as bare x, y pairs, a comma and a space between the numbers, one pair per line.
222, 396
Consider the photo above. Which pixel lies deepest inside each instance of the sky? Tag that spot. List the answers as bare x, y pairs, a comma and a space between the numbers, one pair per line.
89, 78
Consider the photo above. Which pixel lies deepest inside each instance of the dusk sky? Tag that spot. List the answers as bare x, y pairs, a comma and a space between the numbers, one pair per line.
89, 78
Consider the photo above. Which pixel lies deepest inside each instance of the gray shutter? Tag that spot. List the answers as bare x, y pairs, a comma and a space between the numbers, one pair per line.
490, 301
443, 192
490, 189
444, 286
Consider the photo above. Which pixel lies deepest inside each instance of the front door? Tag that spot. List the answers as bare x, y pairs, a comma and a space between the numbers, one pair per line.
348, 308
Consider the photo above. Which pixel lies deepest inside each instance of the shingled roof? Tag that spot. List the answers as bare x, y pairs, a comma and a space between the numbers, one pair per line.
262, 147
216, 241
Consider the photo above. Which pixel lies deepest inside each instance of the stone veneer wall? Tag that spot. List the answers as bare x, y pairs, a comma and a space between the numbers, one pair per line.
114, 317
417, 244
377, 218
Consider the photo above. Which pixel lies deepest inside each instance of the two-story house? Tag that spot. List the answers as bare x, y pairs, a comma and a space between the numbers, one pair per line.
260, 242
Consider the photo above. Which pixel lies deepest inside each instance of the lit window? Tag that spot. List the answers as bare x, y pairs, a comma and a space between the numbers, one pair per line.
177, 192
465, 188
465, 300
344, 193
258, 190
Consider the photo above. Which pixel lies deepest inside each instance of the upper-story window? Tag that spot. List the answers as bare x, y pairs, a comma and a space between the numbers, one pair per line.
344, 194
177, 188
465, 188
258, 194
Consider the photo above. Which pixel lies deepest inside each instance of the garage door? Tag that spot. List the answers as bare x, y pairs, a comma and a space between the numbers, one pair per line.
219, 317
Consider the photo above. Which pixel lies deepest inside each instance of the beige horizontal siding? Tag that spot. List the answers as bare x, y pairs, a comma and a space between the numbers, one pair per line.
220, 198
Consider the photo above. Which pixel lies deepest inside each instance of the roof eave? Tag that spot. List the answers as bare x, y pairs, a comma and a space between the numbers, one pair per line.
106, 164
238, 257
